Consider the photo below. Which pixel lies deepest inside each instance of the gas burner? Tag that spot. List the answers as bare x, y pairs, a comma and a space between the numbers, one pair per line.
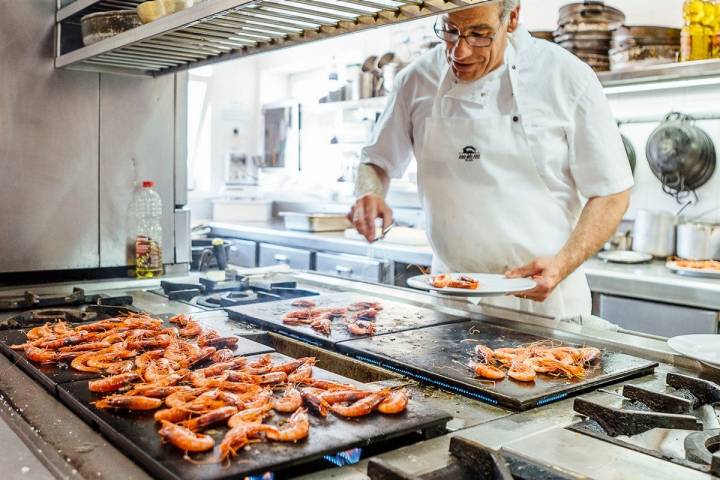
701, 447
681, 425
473, 460
79, 308
34, 300
212, 294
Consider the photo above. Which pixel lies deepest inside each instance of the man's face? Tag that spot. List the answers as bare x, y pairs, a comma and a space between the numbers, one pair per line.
471, 63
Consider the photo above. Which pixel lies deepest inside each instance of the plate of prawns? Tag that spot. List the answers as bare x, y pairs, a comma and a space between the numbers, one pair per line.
471, 284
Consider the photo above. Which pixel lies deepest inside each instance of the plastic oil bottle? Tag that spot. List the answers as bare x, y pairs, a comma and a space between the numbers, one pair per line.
694, 42
147, 210
716, 32
709, 22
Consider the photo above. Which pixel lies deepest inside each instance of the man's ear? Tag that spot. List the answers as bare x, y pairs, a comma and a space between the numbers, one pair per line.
514, 19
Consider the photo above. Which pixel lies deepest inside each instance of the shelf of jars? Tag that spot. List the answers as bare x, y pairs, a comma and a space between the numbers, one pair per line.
218, 30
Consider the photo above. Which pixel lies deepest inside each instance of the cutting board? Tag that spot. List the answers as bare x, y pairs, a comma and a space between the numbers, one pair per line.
49, 376
136, 435
438, 356
394, 317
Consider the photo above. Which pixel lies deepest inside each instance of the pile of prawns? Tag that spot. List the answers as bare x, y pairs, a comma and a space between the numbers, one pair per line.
152, 367
524, 363
359, 317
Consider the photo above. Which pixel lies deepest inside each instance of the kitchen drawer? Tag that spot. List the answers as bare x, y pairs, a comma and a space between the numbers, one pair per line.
655, 318
352, 266
243, 253
294, 257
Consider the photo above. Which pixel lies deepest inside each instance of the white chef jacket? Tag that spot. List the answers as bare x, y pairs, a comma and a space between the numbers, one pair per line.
570, 128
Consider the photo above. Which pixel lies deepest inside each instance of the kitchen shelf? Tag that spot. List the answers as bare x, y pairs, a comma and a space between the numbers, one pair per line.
217, 30
670, 72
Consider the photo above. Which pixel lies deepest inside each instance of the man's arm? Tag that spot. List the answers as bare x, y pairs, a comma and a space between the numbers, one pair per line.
371, 187
598, 222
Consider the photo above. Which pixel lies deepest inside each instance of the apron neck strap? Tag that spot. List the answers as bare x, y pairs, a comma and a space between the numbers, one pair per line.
448, 78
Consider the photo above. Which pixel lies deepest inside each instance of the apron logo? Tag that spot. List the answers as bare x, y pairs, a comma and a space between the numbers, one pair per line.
469, 154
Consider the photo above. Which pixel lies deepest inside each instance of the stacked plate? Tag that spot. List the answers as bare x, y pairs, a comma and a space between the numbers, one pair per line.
640, 46
586, 29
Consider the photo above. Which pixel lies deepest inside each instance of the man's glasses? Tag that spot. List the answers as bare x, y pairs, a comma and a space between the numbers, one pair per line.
473, 39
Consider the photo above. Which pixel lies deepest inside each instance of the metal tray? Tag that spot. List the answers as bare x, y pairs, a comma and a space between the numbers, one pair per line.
136, 435
395, 317
50, 376
315, 222
436, 356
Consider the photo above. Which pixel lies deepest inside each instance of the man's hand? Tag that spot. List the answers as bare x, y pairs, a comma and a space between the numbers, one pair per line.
363, 214
547, 272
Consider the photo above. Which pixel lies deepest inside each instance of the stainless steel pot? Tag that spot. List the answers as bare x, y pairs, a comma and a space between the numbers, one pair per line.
654, 233
698, 241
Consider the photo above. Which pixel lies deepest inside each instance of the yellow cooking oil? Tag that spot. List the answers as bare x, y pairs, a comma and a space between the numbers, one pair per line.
716, 31
695, 42
709, 24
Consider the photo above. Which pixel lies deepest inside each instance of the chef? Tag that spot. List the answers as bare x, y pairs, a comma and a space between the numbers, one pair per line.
521, 168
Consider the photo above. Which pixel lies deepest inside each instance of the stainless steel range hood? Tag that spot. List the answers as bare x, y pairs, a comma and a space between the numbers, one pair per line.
218, 30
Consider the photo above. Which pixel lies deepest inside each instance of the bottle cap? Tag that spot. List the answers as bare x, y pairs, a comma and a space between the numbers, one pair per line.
217, 242
148, 183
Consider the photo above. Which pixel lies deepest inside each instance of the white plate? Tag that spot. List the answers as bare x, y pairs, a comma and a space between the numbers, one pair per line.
705, 348
625, 256
491, 285
693, 272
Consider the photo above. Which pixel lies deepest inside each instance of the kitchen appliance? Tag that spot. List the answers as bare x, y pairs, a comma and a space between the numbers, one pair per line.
101, 25
698, 241
654, 233
440, 355
681, 155
315, 222
136, 435
209, 294
393, 318
640, 46
675, 422
34, 309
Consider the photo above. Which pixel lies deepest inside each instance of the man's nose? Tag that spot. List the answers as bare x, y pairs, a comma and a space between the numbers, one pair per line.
462, 49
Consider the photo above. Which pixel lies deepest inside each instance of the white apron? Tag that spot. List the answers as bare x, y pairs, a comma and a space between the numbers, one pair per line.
487, 207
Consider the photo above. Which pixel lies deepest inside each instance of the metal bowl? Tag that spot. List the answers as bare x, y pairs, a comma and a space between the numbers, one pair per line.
102, 25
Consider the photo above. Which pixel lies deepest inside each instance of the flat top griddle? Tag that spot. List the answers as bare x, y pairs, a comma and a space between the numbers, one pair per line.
394, 317
438, 355
136, 434
49, 376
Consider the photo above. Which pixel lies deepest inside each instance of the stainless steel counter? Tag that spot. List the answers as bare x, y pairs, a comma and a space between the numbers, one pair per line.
650, 281
70, 448
274, 232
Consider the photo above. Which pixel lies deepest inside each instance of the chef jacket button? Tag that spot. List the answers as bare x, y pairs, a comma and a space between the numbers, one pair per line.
516, 118
514, 67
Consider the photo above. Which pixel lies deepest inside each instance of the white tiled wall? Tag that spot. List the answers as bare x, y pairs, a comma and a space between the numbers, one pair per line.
647, 192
